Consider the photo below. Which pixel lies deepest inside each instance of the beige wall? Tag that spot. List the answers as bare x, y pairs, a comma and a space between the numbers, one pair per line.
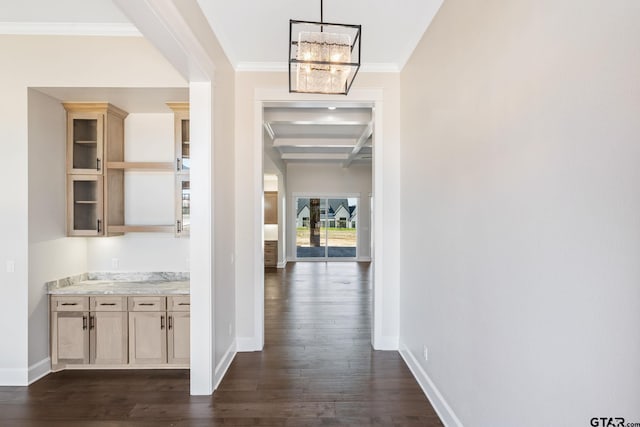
45, 61
520, 200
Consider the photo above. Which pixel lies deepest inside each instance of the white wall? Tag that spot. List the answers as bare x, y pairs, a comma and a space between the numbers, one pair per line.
520, 200
328, 179
149, 200
45, 61
51, 254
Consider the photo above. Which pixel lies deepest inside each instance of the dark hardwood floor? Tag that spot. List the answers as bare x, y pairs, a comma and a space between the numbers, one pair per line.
317, 369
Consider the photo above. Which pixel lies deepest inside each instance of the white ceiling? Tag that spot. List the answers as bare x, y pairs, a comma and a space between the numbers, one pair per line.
253, 33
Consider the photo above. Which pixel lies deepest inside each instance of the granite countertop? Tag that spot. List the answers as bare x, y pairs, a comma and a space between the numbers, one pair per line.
121, 284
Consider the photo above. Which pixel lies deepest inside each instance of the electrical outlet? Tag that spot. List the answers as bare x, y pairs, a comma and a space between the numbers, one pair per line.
425, 353
11, 266
115, 263
230, 329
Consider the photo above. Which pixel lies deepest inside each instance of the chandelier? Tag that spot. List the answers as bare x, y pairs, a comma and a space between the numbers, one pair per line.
324, 57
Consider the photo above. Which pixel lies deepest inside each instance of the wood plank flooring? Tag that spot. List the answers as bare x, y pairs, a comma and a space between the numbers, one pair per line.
317, 369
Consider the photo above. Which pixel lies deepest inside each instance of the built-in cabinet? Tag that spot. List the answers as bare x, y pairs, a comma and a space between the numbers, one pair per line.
183, 166
96, 171
270, 220
271, 253
95, 194
120, 331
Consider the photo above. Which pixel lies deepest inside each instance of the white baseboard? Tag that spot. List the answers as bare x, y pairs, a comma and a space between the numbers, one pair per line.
282, 264
386, 343
442, 408
13, 377
39, 370
224, 364
247, 344
364, 259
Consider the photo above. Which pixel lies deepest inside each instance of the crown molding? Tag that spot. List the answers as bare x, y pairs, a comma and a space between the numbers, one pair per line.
69, 29
281, 67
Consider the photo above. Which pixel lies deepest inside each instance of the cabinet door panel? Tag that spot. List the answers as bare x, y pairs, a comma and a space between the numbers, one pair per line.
178, 338
108, 338
147, 338
69, 338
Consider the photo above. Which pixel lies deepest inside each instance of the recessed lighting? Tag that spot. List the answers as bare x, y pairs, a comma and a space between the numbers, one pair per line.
332, 108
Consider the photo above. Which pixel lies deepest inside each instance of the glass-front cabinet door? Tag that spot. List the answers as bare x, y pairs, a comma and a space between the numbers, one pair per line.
85, 143
183, 207
85, 205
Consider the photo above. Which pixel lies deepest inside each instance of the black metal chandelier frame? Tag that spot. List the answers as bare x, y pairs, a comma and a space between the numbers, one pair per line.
294, 62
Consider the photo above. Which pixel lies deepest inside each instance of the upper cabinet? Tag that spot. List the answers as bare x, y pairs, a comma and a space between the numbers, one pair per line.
270, 207
95, 195
183, 167
182, 140
95, 135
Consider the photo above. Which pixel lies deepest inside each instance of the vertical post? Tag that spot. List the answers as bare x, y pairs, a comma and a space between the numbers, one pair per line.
314, 222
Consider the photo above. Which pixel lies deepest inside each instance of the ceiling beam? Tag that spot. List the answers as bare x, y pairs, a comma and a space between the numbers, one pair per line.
313, 142
315, 156
361, 142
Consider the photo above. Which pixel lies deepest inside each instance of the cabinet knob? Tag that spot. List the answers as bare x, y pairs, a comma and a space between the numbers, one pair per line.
161, 322
84, 323
98, 225
97, 164
170, 323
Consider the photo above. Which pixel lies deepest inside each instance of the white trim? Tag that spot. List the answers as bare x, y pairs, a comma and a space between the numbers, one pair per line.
258, 236
39, 370
364, 259
201, 242
368, 96
223, 365
377, 339
13, 377
69, 29
387, 343
282, 67
246, 344
282, 264
442, 408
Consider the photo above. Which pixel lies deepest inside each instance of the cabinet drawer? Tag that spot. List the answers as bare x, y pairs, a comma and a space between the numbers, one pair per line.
69, 303
108, 303
147, 303
178, 303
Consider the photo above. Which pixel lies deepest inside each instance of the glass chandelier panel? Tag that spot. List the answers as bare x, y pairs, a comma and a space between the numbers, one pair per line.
322, 57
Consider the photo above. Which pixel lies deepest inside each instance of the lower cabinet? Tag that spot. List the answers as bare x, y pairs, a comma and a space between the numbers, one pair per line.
178, 327
116, 331
147, 330
108, 330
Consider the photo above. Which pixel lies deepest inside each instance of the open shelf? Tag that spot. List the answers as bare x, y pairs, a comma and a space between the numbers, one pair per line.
142, 228
141, 166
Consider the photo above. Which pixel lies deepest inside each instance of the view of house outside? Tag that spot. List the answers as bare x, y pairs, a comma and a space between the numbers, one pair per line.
336, 223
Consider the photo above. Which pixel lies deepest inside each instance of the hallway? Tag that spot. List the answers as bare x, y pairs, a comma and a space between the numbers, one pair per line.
317, 369
317, 365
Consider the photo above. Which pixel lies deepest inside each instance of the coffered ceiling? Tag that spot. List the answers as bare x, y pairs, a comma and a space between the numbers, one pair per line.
313, 133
